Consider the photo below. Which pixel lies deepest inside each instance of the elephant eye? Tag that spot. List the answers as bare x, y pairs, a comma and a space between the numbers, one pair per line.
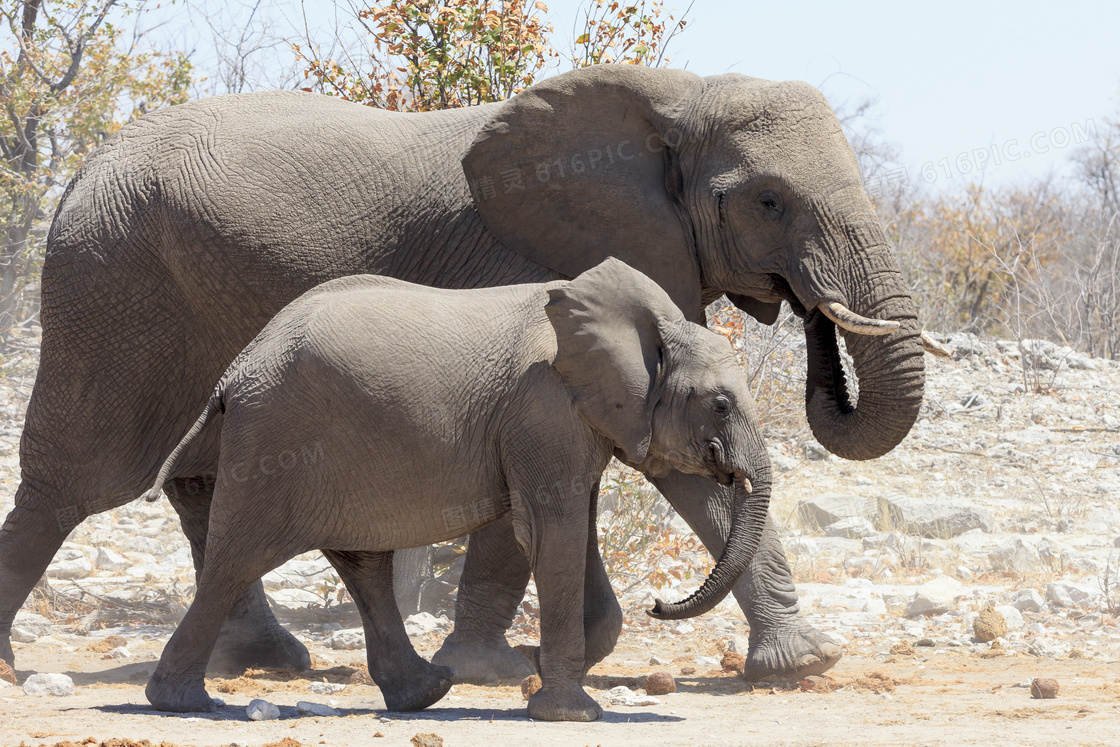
770, 200
722, 405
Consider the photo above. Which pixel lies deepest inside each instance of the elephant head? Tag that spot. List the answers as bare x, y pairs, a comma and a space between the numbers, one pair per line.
723, 185
665, 392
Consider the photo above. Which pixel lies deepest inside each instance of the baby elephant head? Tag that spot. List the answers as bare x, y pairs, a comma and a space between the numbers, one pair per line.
667, 393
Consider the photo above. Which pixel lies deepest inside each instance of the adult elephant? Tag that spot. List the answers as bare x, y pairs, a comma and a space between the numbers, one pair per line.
184, 233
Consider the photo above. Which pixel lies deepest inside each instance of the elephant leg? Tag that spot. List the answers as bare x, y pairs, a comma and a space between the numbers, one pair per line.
29, 539
250, 635
602, 615
407, 682
492, 586
782, 642
178, 684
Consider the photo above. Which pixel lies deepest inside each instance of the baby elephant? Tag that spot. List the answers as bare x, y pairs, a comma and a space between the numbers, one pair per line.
354, 426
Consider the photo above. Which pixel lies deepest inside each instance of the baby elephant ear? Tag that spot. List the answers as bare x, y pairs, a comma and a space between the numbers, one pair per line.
608, 324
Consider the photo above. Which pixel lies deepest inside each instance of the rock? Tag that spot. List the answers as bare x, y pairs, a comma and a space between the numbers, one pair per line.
315, 709
326, 688
1045, 648
6, 673
1044, 687
1078, 562
928, 518
662, 683
49, 684
1071, 594
686, 671
4, 684
423, 623
262, 710
657, 661
830, 508
903, 649
925, 643
33, 623
1011, 616
624, 696
989, 625
120, 652
348, 640
530, 685
1027, 600
731, 662
934, 597
293, 599
111, 560
23, 635
740, 644
1015, 556
706, 661
77, 568
854, 527
426, 740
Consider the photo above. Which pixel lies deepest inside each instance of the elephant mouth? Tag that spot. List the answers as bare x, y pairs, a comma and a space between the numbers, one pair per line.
715, 459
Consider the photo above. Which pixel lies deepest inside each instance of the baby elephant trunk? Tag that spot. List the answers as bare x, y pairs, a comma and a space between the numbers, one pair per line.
747, 522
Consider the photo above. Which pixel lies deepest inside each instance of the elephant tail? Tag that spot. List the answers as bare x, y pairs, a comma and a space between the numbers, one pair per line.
214, 405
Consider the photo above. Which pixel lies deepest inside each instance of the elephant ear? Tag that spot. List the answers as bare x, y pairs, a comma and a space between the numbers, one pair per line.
608, 324
583, 166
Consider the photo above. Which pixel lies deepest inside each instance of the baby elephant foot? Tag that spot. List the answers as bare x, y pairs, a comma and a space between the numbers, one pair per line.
790, 651
563, 703
416, 692
178, 694
481, 663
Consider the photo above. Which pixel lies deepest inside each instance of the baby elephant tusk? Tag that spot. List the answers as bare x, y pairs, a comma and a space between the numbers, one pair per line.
746, 483
845, 318
933, 347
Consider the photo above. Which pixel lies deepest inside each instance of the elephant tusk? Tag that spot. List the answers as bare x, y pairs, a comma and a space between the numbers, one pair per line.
933, 347
845, 318
746, 483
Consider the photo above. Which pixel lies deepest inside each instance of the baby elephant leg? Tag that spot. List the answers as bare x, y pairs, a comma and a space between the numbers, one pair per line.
178, 683
406, 680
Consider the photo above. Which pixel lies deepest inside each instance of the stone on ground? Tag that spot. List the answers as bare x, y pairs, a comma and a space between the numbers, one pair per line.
348, 640
1015, 555
934, 597
829, 508
939, 519
315, 709
49, 684
262, 710
624, 696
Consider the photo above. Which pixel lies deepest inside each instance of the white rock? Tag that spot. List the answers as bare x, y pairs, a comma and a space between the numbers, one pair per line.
120, 652
423, 623
624, 696
853, 527
1011, 616
657, 661
875, 607
23, 635
930, 517
1047, 649
262, 710
111, 560
1071, 594
49, 684
77, 568
33, 623
348, 639
936, 596
315, 709
294, 599
1014, 555
684, 628
706, 661
326, 688
1027, 600
829, 508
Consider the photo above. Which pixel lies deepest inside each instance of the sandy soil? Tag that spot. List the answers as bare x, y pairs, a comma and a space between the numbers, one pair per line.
948, 697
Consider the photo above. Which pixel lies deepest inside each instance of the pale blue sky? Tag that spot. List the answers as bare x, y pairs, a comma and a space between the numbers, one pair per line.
950, 78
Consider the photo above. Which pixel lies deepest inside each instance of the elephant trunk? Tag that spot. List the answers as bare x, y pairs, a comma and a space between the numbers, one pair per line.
747, 522
890, 368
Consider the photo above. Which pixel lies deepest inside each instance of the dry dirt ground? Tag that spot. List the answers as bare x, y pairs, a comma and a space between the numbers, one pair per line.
1038, 455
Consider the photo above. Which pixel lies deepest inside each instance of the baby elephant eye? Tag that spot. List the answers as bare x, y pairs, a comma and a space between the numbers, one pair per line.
722, 405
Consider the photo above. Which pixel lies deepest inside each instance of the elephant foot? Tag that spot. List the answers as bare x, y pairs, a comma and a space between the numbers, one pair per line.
241, 647
417, 692
563, 703
482, 663
790, 651
178, 694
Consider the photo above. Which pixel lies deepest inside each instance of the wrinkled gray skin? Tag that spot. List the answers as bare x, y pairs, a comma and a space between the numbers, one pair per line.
514, 406
184, 233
